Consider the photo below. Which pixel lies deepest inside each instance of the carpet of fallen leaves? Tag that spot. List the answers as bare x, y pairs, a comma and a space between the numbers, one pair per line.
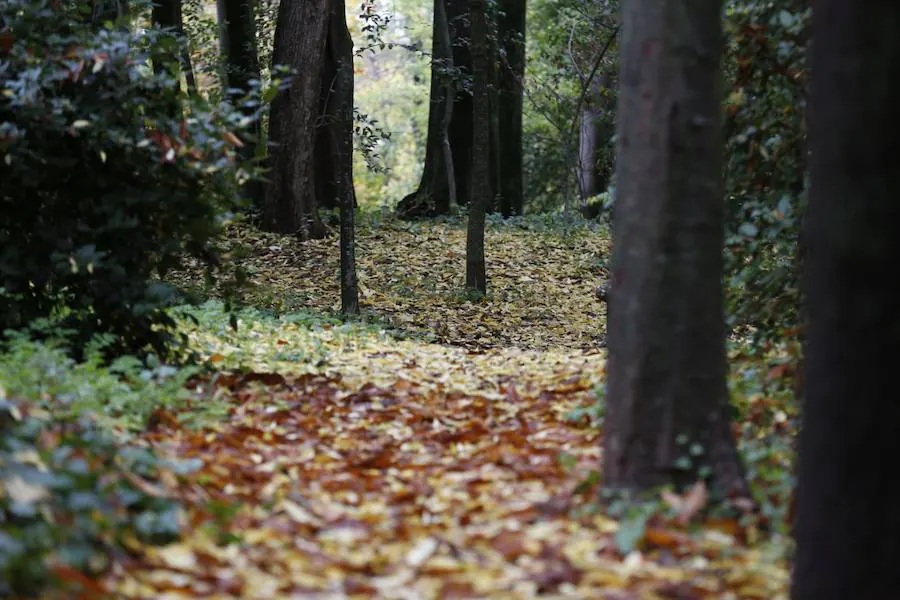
362, 466
541, 280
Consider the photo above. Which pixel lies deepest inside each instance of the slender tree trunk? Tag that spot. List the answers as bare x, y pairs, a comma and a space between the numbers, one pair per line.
667, 396
187, 66
290, 203
237, 41
496, 199
462, 123
512, 75
450, 87
433, 196
587, 152
848, 523
476, 275
338, 137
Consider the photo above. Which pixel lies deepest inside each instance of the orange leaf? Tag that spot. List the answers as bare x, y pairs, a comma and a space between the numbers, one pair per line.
665, 538
71, 575
233, 139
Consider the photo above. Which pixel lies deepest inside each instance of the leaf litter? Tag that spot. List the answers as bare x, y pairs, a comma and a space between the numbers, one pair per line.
350, 463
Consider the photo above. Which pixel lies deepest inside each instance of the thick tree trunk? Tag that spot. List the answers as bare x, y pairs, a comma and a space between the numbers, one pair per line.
433, 195
334, 167
476, 276
237, 42
335, 141
290, 203
512, 74
667, 397
848, 523
462, 122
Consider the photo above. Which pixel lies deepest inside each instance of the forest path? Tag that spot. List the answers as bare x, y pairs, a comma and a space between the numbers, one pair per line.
441, 448
422, 472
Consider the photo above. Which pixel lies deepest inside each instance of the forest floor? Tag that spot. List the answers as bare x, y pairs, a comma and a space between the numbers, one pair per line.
441, 447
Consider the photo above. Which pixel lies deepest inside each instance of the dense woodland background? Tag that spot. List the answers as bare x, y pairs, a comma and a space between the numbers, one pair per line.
461, 298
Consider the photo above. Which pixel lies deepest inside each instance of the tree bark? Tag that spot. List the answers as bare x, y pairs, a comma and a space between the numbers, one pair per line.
333, 165
433, 196
187, 66
511, 77
476, 275
335, 140
462, 122
588, 142
237, 41
594, 138
290, 203
848, 523
496, 199
666, 416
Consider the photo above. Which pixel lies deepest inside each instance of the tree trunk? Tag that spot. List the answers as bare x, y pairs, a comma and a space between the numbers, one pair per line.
433, 195
187, 66
237, 35
594, 141
848, 523
512, 74
462, 123
667, 396
496, 199
476, 276
335, 141
588, 142
290, 202
334, 167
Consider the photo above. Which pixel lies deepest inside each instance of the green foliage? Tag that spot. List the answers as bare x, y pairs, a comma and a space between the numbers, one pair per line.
111, 175
593, 413
393, 75
124, 393
71, 498
569, 68
765, 164
767, 415
269, 342
201, 30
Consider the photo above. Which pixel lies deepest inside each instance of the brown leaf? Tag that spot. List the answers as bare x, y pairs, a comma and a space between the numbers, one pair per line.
511, 544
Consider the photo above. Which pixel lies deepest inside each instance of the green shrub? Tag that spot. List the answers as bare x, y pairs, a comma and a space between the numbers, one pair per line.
765, 163
71, 498
123, 393
110, 174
